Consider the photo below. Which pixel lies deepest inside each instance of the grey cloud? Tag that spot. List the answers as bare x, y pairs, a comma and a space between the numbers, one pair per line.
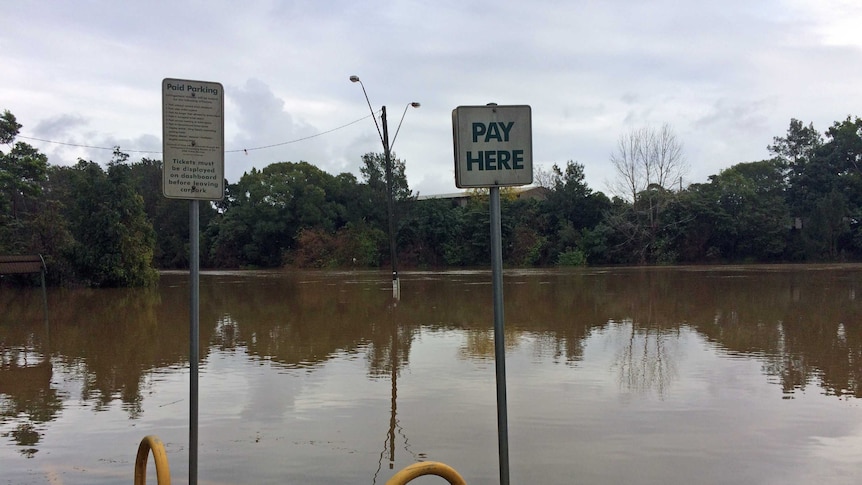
58, 126
268, 133
740, 114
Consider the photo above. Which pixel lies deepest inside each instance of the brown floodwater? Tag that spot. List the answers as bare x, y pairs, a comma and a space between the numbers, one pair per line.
678, 375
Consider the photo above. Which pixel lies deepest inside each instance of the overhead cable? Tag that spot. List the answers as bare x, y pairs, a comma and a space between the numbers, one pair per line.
244, 150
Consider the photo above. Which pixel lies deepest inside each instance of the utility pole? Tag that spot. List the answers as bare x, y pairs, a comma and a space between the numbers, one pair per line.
390, 207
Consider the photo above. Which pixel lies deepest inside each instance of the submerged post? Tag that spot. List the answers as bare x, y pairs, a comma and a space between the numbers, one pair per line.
44, 291
499, 338
194, 336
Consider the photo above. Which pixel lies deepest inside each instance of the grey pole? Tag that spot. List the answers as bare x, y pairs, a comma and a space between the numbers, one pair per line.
44, 291
45, 311
194, 337
499, 339
390, 208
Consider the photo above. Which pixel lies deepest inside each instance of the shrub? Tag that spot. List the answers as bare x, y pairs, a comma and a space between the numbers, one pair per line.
572, 257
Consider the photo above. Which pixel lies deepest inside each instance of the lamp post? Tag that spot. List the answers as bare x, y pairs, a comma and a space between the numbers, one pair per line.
387, 154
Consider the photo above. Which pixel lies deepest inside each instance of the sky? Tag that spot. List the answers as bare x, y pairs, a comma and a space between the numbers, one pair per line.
726, 76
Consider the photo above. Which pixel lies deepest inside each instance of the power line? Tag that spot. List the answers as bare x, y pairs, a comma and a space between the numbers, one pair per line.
244, 150
79, 145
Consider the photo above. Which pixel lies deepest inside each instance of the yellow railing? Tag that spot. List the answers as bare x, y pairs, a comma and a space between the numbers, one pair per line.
160, 457
163, 471
426, 468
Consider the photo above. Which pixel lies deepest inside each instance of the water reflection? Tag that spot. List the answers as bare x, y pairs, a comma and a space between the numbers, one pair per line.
802, 324
25, 377
25, 389
646, 360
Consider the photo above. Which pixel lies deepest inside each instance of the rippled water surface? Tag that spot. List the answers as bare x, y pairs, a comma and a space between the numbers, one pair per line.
648, 376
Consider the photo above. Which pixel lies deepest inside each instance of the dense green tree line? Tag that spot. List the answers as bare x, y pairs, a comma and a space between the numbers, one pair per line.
88, 222
110, 225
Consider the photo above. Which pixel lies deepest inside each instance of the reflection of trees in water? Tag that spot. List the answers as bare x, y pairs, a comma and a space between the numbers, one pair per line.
27, 400
295, 322
387, 355
225, 334
645, 360
26, 435
804, 325
109, 338
479, 343
795, 363
26, 386
106, 339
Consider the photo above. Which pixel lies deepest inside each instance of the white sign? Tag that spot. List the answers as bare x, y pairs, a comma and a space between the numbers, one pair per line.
493, 146
192, 139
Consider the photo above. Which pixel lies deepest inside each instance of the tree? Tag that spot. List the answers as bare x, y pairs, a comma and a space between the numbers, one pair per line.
268, 208
169, 217
526, 233
545, 178
22, 169
428, 233
373, 171
642, 232
751, 195
646, 157
571, 199
798, 146
22, 173
113, 240
571, 208
649, 164
825, 193
701, 223
9, 127
387, 195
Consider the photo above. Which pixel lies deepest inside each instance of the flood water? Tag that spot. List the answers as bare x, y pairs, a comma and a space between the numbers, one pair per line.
705, 375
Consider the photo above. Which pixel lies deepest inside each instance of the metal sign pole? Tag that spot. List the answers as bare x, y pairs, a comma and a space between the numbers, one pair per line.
494, 148
499, 339
193, 169
194, 337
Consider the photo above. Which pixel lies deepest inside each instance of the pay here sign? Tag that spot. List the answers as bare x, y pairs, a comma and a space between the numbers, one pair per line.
493, 146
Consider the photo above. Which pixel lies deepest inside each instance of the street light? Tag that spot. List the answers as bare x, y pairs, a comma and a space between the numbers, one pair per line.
414, 104
387, 154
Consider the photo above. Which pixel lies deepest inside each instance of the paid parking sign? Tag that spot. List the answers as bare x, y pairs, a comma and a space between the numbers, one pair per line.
192, 139
493, 146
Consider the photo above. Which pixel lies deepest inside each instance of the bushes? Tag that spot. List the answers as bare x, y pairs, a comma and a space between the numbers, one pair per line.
352, 245
572, 257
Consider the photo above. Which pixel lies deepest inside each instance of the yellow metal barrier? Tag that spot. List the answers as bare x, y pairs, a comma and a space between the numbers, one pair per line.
426, 468
160, 457
163, 471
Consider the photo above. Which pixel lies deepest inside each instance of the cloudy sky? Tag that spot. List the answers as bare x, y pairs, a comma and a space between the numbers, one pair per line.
727, 76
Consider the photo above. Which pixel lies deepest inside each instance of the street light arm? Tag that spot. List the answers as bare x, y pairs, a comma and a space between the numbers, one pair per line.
355, 79
413, 104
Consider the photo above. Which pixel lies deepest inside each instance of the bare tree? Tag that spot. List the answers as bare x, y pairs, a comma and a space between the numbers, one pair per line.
649, 166
543, 177
647, 158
